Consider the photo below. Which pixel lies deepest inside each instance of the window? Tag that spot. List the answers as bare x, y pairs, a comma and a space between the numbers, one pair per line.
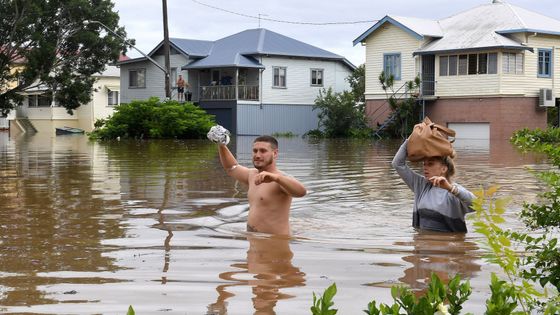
453, 65
173, 77
279, 77
392, 65
512, 63
482, 63
545, 63
472, 63
462, 64
112, 98
317, 77
493, 63
42, 100
443, 65
137, 78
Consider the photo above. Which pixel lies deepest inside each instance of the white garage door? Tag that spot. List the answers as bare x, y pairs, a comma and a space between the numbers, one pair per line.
474, 131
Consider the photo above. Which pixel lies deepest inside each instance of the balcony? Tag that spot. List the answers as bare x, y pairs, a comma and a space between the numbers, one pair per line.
227, 92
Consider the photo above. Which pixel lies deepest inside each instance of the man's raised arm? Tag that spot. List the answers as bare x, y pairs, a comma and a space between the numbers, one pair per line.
229, 163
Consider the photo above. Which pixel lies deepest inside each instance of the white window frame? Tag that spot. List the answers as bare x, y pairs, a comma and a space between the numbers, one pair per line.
137, 85
112, 97
512, 63
173, 77
317, 77
277, 77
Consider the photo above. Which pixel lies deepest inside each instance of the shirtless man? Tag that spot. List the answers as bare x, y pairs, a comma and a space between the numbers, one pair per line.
270, 191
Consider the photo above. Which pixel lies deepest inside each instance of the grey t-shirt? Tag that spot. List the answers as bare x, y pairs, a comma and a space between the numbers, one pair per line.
434, 208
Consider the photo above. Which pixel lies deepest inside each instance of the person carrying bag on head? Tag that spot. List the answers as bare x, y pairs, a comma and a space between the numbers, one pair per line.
439, 203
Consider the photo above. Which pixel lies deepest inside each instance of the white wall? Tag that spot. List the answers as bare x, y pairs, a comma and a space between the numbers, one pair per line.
298, 80
155, 78
389, 39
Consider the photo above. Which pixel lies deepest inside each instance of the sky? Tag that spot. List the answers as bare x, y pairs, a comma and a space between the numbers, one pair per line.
200, 19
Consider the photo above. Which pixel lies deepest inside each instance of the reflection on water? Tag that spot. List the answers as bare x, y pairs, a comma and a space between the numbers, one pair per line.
267, 269
443, 254
94, 227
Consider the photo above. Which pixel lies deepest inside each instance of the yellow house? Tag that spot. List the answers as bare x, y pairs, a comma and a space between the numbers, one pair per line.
485, 72
45, 114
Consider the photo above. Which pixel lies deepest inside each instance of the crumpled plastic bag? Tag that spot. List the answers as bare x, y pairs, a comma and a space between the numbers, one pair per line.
218, 134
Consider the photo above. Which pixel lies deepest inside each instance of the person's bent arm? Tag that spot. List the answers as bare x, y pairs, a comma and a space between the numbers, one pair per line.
412, 179
229, 163
290, 185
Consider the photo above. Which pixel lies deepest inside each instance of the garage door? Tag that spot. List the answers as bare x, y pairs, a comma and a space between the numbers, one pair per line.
471, 131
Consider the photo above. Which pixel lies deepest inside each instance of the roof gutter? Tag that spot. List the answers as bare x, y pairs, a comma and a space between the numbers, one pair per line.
464, 50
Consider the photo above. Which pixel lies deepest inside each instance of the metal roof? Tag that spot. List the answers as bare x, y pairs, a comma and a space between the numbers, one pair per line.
241, 50
482, 27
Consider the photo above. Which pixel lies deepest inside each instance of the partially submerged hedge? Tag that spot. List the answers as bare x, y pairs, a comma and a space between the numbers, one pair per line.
152, 118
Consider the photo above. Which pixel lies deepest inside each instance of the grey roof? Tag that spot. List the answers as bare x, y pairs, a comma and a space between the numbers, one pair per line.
188, 47
241, 50
482, 27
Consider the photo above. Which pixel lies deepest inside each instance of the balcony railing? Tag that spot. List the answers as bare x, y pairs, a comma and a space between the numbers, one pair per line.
227, 92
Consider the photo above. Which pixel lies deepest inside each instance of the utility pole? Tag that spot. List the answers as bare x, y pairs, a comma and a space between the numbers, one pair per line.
166, 51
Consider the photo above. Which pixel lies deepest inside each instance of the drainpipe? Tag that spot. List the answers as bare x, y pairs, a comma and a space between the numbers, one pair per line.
261, 85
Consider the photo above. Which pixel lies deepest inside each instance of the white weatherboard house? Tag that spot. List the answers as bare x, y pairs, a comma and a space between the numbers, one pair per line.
45, 114
485, 72
255, 82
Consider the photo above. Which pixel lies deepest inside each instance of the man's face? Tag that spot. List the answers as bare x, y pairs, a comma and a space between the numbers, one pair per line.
434, 167
263, 155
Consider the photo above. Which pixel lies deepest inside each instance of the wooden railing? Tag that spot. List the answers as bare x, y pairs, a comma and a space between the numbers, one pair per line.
227, 92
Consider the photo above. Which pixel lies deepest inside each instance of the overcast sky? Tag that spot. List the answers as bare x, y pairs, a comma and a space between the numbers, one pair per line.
191, 19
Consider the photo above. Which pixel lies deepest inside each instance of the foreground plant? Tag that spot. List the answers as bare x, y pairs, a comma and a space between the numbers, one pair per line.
440, 299
323, 304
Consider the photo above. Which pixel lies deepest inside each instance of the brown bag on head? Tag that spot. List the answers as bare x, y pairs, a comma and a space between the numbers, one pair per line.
428, 140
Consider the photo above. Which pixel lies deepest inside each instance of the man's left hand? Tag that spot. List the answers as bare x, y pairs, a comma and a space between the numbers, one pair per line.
265, 177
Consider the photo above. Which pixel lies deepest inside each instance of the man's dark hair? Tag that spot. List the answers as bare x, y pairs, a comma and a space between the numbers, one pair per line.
270, 139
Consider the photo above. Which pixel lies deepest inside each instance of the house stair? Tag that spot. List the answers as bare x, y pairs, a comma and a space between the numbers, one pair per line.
394, 114
25, 125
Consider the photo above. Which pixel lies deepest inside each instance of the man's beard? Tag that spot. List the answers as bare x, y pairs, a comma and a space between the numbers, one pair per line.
263, 164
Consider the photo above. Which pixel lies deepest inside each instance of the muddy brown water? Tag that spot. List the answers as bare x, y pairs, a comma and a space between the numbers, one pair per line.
91, 228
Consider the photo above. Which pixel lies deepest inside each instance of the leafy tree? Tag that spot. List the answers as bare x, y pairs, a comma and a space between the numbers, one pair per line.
46, 43
339, 115
357, 81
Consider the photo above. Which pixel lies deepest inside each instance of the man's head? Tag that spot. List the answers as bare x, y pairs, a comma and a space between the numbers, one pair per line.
180, 76
265, 152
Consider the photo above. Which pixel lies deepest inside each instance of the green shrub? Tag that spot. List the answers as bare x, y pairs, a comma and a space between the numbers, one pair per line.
154, 119
340, 116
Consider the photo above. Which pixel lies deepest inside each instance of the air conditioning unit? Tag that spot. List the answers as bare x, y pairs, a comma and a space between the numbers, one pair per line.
546, 98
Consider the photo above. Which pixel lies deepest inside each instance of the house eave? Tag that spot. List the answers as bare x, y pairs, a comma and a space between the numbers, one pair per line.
195, 67
459, 50
529, 30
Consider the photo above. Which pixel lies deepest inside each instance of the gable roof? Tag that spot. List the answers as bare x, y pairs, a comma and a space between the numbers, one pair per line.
482, 27
241, 50
416, 27
186, 47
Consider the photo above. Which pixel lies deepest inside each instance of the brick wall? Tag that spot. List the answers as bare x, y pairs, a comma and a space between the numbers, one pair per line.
505, 114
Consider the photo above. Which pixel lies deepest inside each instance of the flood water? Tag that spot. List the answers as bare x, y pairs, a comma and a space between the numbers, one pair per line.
91, 228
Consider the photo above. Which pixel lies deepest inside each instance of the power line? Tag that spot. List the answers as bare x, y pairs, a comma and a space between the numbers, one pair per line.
282, 21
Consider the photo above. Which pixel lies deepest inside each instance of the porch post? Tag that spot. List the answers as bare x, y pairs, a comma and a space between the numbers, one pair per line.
236, 84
